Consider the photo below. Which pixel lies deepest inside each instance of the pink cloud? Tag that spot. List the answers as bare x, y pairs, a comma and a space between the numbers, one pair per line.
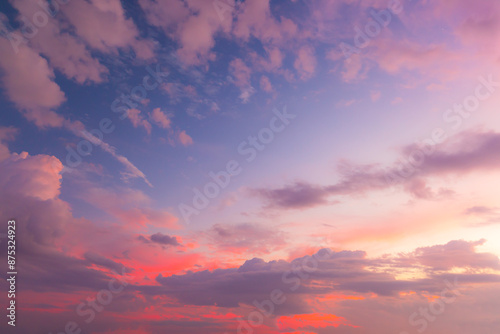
163, 14
185, 139
355, 69
6, 134
28, 81
275, 57
241, 73
464, 153
36, 176
255, 19
375, 95
456, 254
65, 52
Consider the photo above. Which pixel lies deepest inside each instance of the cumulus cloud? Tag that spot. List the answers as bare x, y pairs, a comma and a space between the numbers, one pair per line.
65, 51
265, 84
160, 118
326, 273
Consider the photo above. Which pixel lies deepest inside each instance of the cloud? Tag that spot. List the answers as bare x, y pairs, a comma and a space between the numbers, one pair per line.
265, 84
66, 52
464, 153
245, 238
134, 115
305, 63
480, 210
309, 321
241, 75
164, 239
185, 139
397, 100
29, 83
345, 103
328, 273
355, 69
105, 27
6, 134
160, 118
326, 289
30, 189
131, 170
488, 215
128, 206
297, 195
255, 19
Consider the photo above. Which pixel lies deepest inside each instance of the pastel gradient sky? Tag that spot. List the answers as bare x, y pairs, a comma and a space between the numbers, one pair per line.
252, 166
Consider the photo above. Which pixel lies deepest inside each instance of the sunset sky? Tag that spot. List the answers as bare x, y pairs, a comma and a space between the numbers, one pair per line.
251, 166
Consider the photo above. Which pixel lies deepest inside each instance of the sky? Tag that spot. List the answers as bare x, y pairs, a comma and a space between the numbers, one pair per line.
251, 166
